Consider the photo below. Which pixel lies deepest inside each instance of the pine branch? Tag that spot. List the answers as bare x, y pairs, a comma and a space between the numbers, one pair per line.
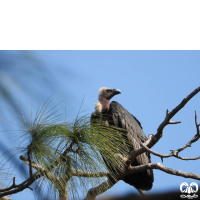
60, 183
81, 173
62, 156
39, 168
93, 192
74, 172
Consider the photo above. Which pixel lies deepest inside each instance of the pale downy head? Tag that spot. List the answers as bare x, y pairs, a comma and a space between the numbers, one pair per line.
105, 94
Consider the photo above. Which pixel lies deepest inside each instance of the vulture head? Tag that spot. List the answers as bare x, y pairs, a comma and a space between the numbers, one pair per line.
105, 94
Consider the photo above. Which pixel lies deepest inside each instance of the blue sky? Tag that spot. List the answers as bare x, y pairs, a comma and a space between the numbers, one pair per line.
150, 82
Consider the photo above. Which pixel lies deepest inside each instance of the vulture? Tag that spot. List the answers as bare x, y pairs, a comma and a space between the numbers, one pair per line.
116, 115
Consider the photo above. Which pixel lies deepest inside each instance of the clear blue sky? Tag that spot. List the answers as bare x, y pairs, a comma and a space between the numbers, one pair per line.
150, 82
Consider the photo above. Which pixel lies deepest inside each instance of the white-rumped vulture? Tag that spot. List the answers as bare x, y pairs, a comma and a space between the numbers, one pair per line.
115, 114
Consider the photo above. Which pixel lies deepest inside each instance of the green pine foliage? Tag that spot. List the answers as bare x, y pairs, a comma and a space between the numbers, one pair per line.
60, 147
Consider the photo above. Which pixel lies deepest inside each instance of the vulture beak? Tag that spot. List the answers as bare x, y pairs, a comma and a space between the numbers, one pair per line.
116, 91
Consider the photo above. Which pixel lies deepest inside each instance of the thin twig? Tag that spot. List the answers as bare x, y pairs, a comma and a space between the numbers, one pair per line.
173, 153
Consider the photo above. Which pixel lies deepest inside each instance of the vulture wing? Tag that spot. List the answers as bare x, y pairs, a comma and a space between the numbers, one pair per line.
120, 117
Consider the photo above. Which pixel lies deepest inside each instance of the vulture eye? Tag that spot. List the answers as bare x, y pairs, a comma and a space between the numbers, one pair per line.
109, 90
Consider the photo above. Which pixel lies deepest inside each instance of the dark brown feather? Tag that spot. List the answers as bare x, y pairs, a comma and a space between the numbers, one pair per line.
118, 116
121, 118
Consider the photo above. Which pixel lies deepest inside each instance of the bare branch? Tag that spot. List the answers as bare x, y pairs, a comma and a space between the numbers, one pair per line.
153, 139
189, 158
18, 188
174, 154
93, 192
174, 122
142, 193
155, 153
169, 115
9, 188
133, 154
194, 139
5, 198
197, 125
134, 170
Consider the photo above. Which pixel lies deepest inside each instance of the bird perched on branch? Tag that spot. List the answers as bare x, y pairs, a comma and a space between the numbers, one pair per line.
116, 115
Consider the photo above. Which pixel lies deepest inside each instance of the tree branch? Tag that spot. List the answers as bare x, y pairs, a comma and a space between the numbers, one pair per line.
5, 198
133, 154
63, 155
39, 168
153, 139
60, 183
169, 115
81, 173
93, 192
9, 188
74, 172
174, 153
134, 170
20, 187
142, 193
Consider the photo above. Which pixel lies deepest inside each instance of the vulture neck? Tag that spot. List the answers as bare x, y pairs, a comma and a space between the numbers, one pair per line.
105, 105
